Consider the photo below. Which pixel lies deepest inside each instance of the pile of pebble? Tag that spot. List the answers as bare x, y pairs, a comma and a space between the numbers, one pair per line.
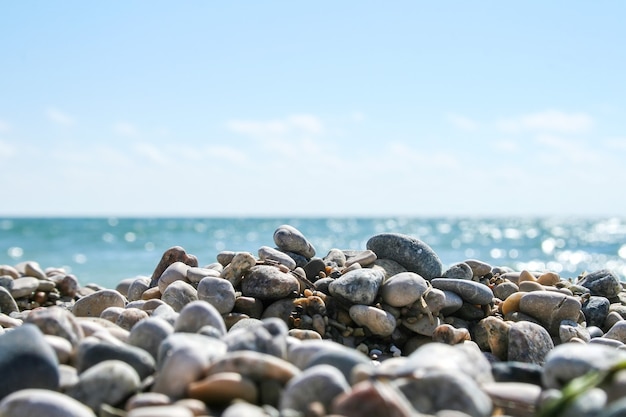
385, 331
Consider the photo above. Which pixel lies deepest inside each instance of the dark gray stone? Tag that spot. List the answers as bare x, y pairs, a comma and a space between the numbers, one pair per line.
603, 283
413, 254
313, 268
7, 302
529, 342
290, 239
529, 373
471, 291
26, 361
343, 359
459, 270
91, 352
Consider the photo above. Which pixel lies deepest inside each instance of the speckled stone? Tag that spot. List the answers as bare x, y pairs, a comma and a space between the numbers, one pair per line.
239, 266
197, 314
603, 283
413, 254
149, 333
267, 253
56, 321
107, 382
529, 343
173, 254
178, 294
218, 292
471, 291
267, 336
550, 308
460, 270
26, 361
358, 286
269, 283
321, 383
42, 402
288, 238
403, 289
379, 322
94, 304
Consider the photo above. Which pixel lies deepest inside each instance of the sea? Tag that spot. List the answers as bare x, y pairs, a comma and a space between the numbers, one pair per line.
107, 250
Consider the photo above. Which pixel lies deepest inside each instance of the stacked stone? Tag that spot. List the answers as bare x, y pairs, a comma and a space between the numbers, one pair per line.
384, 331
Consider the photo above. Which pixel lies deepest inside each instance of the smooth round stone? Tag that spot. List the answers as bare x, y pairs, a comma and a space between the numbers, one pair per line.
413, 254
379, 322
111, 313
225, 257
459, 270
251, 306
123, 286
479, 268
290, 239
345, 360
321, 383
238, 267
304, 334
314, 268
68, 285
568, 361
176, 271
269, 283
300, 354
218, 292
198, 314
149, 333
254, 365
42, 402
208, 348
503, 290
271, 254
26, 361
161, 411
107, 382
617, 331
24, 287
403, 289
195, 274
56, 321
91, 352
435, 301
146, 399
62, 347
178, 294
444, 389
529, 343
452, 302
603, 283
224, 387
129, 317
363, 258
9, 271
265, 336
358, 286
514, 398
422, 325
137, 288
551, 308
181, 366
239, 409
471, 291
94, 304
335, 257
369, 398
33, 269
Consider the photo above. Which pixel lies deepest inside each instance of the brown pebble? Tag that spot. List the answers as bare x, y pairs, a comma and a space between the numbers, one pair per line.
151, 293
223, 387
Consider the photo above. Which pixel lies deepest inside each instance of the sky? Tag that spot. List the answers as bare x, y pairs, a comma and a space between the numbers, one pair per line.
351, 108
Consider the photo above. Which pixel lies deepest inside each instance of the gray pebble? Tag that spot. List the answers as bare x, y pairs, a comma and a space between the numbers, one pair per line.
529, 343
288, 238
24, 287
604, 283
93, 305
269, 283
178, 294
471, 291
413, 254
321, 383
358, 286
218, 292
459, 270
41, 402
197, 314
267, 253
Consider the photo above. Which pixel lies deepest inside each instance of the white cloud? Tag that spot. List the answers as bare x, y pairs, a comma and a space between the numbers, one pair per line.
125, 129
58, 117
151, 152
303, 123
7, 150
560, 149
463, 122
547, 121
5, 127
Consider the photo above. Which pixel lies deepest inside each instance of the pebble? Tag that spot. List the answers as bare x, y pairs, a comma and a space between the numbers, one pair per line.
198, 314
177, 271
603, 283
379, 322
26, 361
137, 288
479, 268
7, 303
173, 254
57, 321
617, 331
403, 289
358, 286
24, 287
94, 304
178, 294
372, 398
528, 342
460, 270
161, 411
550, 308
34, 402
269, 283
149, 333
364, 258
320, 383
289, 239
413, 254
224, 387
266, 253
471, 291
91, 352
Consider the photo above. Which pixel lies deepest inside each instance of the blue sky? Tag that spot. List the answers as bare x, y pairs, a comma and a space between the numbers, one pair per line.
312, 108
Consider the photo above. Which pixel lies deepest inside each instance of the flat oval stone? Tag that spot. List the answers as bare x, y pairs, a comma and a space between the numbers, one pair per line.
94, 304
149, 333
195, 274
42, 402
178, 294
345, 360
7, 302
137, 288
379, 322
529, 343
471, 291
550, 308
107, 382
267, 253
56, 321
218, 292
198, 314
479, 268
24, 286
363, 258
358, 286
290, 239
413, 254
27, 361
177, 271
91, 352
254, 365
269, 283
603, 283
224, 387
321, 383
403, 289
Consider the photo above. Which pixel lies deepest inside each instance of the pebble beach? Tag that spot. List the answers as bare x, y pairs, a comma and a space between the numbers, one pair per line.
383, 331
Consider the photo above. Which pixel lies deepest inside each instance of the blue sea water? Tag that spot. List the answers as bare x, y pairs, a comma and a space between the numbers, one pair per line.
107, 250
